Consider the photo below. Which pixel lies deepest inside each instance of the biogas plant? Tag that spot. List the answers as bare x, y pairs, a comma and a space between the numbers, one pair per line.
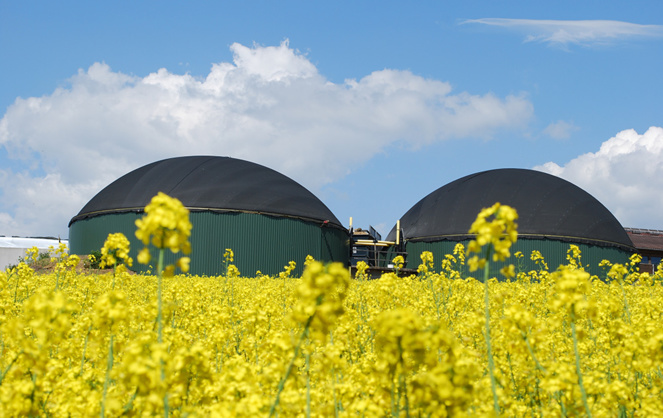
268, 219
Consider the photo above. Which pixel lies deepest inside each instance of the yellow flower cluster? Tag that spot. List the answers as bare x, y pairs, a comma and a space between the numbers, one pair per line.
228, 256
166, 225
362, 266
115, 251
392, 346
559, 343
496, 226
398, 263
428, 370
320, 295
231, 270
287, 270
571, 287
427, 263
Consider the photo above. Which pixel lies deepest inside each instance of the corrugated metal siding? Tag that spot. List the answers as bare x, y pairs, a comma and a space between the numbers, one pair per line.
554, 253
90, 234
334, 246
259, 242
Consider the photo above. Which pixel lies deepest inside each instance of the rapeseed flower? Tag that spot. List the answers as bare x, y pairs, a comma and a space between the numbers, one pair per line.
320, 295
571, 289
115, 251
362, 266
287, 270
495, 226
166, 225
427, 264
384, 347
398, 263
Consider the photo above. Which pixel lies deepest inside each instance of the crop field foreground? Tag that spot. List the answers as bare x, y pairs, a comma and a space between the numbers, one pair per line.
327, 345
449, 341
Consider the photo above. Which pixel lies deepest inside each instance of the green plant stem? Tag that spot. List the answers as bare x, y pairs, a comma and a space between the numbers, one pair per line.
9, 366
394, 412
436, 298
114, 268
308, 386
402, 385
491, 363
334, 391
160, 326
130, 404
87, 336
578, 371
304, 334
18, 276
628, 312
403, 389
531, 352
159, 303
109, 366
284, 296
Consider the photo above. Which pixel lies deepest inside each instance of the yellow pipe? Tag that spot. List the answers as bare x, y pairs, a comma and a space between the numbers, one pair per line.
369, 242
398, 232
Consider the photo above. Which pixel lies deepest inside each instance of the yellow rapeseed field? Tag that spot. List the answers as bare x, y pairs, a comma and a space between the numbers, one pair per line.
450, 341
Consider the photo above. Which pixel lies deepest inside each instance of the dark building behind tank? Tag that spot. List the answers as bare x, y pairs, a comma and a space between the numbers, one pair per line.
553, 213
266, 218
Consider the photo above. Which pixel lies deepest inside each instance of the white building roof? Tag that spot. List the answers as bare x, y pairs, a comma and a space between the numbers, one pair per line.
41, 243
13, 248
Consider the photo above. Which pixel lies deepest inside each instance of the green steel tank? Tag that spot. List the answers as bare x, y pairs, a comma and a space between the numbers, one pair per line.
266, 218
553, 214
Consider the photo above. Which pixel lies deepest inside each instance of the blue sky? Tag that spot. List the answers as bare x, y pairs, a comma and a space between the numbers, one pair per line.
371, 105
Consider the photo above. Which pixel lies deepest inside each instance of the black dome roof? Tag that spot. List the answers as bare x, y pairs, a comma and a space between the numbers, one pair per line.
548, 207
210, 183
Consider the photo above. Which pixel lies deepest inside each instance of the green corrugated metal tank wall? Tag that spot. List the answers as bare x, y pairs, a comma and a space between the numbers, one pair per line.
266, 218
260, 242
554, 253
552, 214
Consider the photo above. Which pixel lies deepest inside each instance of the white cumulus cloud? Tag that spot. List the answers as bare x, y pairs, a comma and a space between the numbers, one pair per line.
625, 174
562, 33
269, 106
560, 129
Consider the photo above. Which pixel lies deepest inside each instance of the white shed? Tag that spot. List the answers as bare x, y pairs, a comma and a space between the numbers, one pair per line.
12, 248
